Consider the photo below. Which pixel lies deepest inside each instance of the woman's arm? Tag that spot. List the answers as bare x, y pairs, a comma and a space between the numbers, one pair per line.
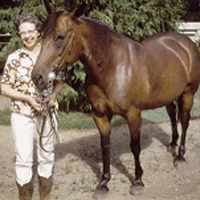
8, 91
51, 99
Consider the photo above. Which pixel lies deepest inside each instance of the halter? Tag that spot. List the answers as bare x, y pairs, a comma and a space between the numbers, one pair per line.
66, 49
50, 111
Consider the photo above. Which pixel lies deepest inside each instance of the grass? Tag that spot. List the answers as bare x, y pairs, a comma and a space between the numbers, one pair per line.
5, 117
66, 120
75, 120
80, 120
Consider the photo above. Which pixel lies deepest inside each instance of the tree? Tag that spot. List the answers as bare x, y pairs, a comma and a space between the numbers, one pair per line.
136, 18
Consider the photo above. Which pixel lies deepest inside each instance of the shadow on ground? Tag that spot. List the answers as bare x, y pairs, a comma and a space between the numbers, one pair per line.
88, 148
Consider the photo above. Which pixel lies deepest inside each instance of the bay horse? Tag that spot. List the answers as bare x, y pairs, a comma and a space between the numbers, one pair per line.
124, 77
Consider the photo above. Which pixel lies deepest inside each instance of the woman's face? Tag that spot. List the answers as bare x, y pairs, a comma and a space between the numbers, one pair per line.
29, 35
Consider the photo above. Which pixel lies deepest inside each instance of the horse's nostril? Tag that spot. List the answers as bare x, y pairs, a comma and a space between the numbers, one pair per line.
39, 77
39, 81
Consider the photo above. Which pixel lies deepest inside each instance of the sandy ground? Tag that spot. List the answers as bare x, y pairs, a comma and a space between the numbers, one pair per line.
78, 165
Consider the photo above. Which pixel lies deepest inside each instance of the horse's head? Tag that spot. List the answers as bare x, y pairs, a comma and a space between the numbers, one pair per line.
60, 45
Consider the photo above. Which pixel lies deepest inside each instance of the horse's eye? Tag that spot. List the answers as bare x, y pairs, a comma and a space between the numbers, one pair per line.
60, 37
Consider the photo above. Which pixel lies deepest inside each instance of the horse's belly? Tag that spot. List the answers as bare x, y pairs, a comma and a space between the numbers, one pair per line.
163, 98
157, 97
156, 104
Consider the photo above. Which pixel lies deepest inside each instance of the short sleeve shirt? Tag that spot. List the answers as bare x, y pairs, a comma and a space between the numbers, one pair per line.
17, 73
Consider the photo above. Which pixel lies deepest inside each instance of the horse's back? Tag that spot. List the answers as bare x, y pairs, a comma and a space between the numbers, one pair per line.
162, 66
179, 47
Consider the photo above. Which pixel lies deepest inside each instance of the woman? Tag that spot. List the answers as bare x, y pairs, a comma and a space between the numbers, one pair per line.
26, 117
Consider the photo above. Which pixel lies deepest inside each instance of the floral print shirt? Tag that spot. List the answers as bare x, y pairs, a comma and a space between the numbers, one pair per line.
17, 72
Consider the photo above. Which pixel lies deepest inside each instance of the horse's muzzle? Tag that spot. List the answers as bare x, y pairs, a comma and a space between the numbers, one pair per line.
39, 82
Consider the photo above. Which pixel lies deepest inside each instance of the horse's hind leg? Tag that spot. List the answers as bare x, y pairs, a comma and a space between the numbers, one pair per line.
171, 110
185, 104
134, 122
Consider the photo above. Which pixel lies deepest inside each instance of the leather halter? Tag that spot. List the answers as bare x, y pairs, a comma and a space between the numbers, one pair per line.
66, 50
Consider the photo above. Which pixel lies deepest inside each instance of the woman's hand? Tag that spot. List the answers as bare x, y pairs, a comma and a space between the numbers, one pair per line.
8, 91
35, 104
50, 100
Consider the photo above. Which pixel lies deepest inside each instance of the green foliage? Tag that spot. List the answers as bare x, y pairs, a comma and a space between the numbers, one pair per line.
73, 96
68, 98
142, 18
136, 18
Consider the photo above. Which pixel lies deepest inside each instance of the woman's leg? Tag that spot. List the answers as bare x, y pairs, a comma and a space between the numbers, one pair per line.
46, 155
23, 133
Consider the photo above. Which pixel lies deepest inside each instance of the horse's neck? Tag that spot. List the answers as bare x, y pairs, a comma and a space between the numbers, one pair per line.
104, 49
95, 38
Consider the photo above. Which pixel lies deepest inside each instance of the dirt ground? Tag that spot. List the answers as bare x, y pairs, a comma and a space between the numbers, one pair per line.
78, 165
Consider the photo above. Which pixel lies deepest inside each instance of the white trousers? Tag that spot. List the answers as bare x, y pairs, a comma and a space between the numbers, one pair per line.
24, 131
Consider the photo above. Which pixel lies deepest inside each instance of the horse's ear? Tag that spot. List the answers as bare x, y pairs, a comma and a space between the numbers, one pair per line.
49, 7
77, 12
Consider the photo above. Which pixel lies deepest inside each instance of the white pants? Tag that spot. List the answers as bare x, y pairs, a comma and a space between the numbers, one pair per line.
24, 130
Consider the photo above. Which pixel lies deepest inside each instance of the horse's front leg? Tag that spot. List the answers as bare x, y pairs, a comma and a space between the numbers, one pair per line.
103, 124
134, 122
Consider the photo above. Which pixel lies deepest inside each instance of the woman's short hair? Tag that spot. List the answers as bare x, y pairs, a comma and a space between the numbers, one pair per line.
28, 17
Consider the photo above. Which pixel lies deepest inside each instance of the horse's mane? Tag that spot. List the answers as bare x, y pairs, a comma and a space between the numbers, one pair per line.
99, 28
96, 25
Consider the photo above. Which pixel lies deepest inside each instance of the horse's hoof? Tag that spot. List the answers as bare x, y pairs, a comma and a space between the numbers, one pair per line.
102, 187
137, 188
179, 162
172, 150
100, 194
101, 191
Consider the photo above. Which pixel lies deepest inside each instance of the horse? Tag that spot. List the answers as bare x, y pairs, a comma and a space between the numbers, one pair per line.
123, 77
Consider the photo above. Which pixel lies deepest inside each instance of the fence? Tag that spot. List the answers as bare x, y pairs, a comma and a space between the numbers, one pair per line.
191, 29
4, 38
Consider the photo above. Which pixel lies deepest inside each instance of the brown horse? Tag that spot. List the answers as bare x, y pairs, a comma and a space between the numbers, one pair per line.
124, 77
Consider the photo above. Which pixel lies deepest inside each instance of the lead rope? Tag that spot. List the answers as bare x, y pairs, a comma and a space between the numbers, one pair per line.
51, 112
